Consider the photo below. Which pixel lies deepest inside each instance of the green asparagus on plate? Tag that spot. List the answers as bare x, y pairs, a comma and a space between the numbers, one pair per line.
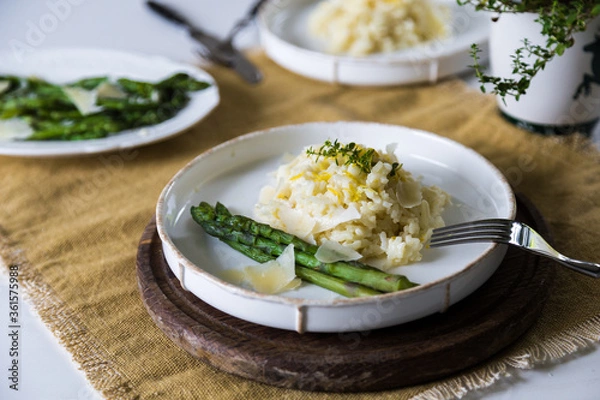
263, 243
94, 107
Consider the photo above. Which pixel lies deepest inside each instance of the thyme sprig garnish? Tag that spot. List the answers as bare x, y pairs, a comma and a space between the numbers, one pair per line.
363, 157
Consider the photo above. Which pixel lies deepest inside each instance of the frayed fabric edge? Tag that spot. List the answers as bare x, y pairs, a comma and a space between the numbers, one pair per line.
575, 339
65, 326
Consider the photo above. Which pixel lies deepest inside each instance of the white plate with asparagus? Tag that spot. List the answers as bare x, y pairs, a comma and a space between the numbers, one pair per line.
65, 102
227, 183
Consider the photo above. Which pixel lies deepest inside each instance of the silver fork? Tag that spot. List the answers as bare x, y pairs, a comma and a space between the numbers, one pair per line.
508, 232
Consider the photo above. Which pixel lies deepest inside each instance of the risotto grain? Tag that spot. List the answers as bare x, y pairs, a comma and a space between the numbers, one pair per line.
361, 27
382, 212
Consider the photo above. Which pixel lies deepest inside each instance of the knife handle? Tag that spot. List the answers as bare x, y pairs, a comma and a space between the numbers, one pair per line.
166, 12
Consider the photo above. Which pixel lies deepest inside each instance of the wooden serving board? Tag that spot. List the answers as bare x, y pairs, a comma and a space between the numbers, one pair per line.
468, 333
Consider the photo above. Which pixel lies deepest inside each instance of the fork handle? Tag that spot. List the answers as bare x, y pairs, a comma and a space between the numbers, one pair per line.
241, 24
587, 268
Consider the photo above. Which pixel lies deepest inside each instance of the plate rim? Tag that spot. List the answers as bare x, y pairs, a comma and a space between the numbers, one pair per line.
56, 149
336, 302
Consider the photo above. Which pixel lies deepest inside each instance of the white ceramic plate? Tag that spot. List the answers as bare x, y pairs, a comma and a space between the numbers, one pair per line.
285, 38
67, 65
234, 172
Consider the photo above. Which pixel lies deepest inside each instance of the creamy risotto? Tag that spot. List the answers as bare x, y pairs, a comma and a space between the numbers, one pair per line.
359, 197
360, 27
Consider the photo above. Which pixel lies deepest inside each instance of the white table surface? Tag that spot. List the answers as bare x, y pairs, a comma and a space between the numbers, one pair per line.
46, 369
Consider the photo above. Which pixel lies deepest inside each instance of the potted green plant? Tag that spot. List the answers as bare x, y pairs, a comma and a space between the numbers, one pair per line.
545, 62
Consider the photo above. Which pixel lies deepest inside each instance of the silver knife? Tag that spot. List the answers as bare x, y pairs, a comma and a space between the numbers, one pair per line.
220, 52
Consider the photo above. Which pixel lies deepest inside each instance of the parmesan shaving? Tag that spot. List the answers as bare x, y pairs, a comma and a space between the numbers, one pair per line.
4, 85
14, 129
272, 277
336, 218
296, 221
330, 251
84, 100
110, 91
409, 194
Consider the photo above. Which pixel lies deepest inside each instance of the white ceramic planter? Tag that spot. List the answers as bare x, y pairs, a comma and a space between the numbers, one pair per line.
551, 104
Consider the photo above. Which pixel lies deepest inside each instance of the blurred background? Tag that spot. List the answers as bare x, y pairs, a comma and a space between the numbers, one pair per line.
115, 24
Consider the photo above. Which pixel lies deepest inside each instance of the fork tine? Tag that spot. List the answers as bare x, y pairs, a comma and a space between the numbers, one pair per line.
471, 229
484, 223
500, 227
494, 230
469, 238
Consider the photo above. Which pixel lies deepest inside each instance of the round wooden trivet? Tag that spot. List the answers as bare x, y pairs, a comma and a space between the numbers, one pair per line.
427, 349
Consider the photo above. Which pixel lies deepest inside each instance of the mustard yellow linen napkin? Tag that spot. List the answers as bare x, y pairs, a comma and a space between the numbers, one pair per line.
71, 226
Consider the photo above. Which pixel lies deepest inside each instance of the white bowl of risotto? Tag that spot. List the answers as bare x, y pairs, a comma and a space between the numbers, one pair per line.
236, 172
366, 43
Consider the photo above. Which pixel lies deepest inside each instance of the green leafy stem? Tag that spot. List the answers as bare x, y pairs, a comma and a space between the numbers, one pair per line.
559, 21
351, 153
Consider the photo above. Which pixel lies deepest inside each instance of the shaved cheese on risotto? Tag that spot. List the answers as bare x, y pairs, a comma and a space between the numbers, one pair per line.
360, 27
371, 205
330, 251
272, 277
